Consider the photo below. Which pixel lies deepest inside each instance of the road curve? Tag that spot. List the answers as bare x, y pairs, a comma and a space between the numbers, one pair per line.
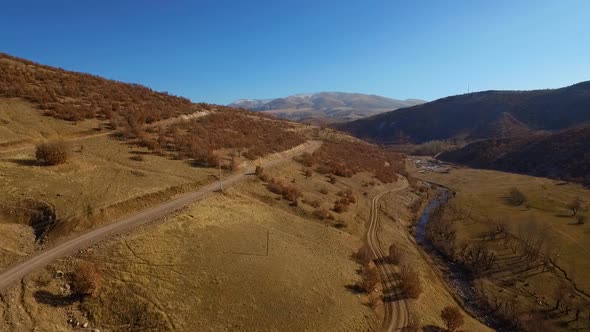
16, 272
396, 312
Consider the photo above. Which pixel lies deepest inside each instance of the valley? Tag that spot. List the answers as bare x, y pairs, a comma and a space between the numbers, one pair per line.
138, 193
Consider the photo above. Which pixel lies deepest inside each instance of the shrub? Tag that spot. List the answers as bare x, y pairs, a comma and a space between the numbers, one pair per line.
331, 179
138, 157
363, 255
369, 278
87, 279
322, 214
340, 206
52, 153
410, 283
307, 172
323, 191
575, 205
259, 170
452, 317
516, 197
394, 254
315, 203
307, 159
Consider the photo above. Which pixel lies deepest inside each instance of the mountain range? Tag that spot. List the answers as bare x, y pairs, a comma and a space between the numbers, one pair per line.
325, 107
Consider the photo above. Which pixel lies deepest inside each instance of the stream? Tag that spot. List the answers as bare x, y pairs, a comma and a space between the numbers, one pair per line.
458, 279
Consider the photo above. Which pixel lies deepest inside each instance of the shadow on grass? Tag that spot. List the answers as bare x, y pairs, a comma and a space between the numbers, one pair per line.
432, 328
55, 300
563, 215
355, 289
393, 297
25, 162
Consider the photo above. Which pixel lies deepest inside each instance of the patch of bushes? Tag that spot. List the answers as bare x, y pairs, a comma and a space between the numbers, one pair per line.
288, 192
345, 159
315, 203
229, 129
347, 198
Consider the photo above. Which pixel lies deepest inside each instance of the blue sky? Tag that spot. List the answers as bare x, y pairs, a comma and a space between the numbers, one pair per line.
218, 50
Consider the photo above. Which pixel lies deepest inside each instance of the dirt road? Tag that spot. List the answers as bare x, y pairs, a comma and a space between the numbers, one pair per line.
43, 258
396, 312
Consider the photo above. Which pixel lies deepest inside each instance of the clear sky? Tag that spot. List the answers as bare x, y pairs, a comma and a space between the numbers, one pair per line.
220, 50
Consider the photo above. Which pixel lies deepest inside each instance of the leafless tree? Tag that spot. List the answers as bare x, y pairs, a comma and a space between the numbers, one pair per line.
87, 279
52, 153
452, 317
575, 205
394, 254
410, 282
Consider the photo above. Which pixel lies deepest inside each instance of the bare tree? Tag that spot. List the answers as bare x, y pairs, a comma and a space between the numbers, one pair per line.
52, 153
369, 278
575, 205
87, 279
394, 254
452, 317
410, 282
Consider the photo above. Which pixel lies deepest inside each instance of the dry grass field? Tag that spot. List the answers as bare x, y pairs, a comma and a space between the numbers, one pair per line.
207, 267
103, 180
534, 286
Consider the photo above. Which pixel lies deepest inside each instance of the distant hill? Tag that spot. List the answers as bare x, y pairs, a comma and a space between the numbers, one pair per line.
325, 107
562, 155
488, 114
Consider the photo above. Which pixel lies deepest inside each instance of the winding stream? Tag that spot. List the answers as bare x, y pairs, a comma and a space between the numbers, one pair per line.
458, 279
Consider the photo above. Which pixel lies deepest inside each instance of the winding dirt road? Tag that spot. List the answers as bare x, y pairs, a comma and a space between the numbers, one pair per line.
17, 272
396, 312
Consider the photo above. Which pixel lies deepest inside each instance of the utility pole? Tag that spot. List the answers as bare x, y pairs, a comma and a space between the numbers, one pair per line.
267, 240
220, 179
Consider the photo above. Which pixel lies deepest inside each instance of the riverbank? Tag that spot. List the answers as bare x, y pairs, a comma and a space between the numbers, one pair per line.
458, 279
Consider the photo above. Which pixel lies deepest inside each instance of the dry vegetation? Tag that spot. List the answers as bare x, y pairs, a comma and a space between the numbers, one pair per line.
345, 159
245, 134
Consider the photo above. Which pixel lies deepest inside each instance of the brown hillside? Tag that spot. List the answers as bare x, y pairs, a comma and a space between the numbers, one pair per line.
75, 96
563, 155
477, 115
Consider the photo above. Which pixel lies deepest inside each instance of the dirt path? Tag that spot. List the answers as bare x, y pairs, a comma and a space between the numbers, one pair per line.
15, 273
396, 312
